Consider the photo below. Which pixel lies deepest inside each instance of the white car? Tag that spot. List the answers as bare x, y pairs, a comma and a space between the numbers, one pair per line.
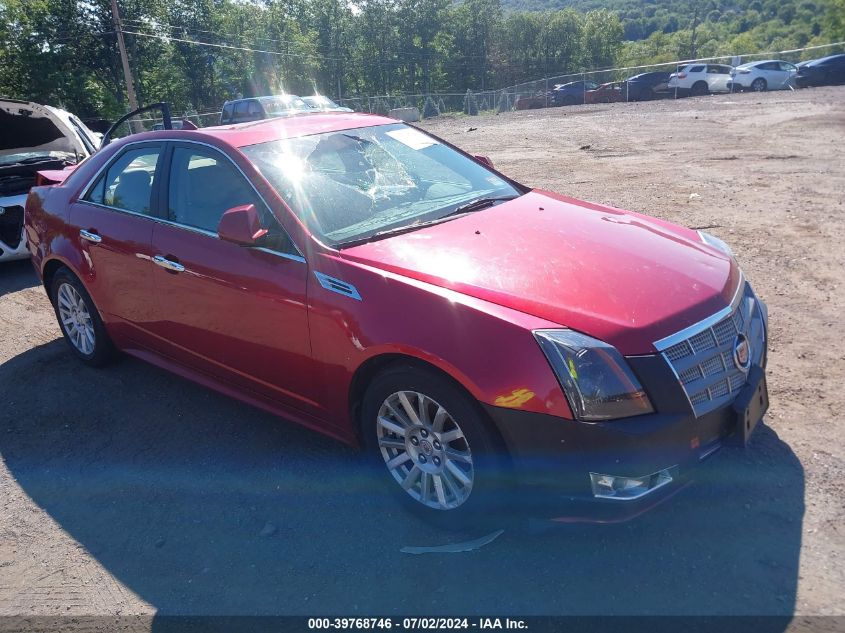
771, 74
700, 79
33, 138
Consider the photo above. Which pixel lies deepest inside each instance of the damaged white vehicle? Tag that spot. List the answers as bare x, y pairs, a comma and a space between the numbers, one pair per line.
33, 138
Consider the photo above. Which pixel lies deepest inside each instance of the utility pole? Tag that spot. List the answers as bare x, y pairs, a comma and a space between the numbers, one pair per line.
692, 39
127, 74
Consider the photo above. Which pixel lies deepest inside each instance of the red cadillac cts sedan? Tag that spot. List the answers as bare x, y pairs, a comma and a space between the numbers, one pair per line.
372, 282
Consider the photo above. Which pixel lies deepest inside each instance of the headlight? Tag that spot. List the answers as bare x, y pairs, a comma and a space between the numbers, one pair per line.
715, 242
597, 381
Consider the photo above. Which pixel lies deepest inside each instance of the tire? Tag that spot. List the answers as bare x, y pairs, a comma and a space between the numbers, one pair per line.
79, 320
699, 89
759, 85
454, 484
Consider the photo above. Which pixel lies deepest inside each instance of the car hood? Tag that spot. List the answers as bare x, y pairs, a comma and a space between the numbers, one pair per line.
622, 277
27, 127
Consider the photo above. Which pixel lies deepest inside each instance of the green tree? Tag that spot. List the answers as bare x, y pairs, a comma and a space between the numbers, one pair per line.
602, 38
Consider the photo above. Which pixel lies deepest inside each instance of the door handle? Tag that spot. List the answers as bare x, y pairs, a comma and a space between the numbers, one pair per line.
91, 236
168, 264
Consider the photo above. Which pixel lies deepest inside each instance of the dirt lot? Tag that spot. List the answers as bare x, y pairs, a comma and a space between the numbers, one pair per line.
128, 491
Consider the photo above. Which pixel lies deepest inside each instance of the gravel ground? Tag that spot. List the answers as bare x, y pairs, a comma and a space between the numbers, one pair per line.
130, 492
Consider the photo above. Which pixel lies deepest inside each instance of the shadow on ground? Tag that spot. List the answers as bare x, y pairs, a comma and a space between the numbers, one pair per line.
171, 488
16, 275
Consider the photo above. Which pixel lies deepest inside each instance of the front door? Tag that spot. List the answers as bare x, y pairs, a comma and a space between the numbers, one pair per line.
238, 313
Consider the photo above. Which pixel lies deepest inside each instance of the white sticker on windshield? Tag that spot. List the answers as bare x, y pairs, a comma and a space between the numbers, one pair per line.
412, 138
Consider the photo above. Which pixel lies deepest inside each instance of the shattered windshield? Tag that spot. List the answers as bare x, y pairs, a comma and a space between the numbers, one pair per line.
353, 184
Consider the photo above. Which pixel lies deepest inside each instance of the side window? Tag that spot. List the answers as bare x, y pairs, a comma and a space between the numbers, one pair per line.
788, 67
254, 112
226, 117
696, 69
128, 182
204, 185
240, 112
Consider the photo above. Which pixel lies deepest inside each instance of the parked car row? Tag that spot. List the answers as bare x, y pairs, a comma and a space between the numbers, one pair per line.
696, 79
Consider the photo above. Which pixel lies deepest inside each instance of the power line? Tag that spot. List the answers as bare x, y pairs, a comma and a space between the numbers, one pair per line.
173, 27
168, 38
384, 64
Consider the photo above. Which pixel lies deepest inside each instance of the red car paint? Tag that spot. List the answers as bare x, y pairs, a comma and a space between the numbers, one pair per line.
463, 296
605, 93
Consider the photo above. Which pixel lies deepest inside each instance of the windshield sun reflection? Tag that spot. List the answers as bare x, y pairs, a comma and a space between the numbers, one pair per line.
358, 184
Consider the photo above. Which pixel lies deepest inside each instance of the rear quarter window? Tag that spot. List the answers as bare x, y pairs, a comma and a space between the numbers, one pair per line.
695, 69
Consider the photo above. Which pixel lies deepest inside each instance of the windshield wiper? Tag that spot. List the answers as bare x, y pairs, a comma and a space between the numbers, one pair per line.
464, 209
379, 235
478, 204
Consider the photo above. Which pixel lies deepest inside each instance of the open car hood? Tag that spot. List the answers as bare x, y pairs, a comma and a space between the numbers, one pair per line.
27, 127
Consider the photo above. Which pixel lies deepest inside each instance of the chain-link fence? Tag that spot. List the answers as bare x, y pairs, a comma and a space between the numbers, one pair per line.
586, 86
438, 102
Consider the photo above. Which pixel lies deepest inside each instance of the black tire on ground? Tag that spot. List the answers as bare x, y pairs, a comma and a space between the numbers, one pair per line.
103, 350
699, 88
488, 503
759, 85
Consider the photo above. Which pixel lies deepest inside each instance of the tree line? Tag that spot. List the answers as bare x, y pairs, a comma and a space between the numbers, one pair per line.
198, 53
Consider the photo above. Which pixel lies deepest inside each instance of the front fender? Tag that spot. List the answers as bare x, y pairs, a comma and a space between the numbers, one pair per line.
488, 349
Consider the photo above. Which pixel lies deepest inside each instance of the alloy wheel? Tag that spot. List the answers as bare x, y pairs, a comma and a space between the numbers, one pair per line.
75, 318
758, 85
425, 450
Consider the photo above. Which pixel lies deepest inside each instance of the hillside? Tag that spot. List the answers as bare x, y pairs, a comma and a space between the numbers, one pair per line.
796, 20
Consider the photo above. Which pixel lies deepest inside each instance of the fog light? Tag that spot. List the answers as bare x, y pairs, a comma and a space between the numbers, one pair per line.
628, 488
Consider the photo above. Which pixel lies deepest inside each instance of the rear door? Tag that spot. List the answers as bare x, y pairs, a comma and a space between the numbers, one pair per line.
718, 77
775, 76
113, 221
789, 70
237, 313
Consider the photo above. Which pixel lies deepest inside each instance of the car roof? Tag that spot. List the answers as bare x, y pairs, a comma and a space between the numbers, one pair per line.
821, 60
278, 128
762, 61
651, 72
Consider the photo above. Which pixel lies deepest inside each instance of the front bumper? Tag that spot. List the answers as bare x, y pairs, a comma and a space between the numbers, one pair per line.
553, 458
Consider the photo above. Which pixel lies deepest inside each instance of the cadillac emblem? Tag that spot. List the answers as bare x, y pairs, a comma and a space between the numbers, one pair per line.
742, 352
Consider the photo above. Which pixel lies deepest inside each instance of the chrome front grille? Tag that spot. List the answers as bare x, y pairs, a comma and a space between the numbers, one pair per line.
702, 356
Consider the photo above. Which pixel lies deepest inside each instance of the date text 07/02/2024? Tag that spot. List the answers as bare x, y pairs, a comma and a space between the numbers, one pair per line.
417, 623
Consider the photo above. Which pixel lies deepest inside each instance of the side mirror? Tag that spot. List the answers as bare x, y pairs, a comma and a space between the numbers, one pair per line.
484, 159
241, 225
